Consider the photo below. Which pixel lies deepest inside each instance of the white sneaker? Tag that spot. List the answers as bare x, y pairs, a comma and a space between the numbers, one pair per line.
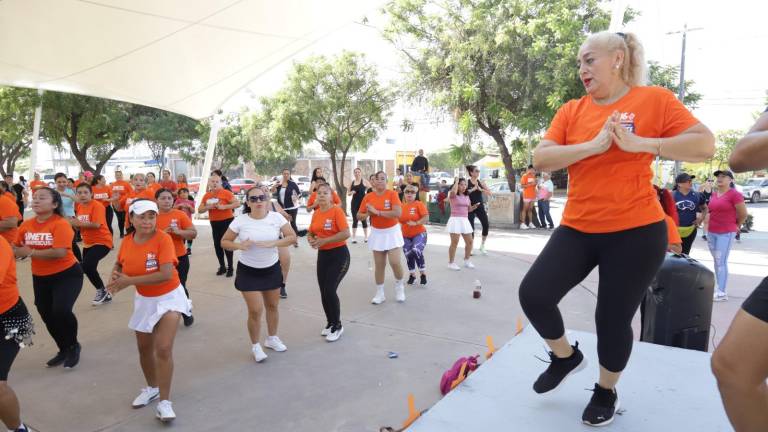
453, 266
258, 354
468, 264
327, 330
334, 335
523, 226
379, 298
147, 395
720, 297
164, 411
400, 292
274, 342
482, 250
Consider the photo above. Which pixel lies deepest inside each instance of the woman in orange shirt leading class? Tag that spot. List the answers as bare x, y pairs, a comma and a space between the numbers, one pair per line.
147, 259
607, 140
90, 219
56, 275
219, 203
328, 233
386, 239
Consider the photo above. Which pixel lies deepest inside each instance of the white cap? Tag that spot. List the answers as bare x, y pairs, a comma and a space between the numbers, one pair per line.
143, 206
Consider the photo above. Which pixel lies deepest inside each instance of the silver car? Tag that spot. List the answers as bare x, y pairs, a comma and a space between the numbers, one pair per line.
755, 189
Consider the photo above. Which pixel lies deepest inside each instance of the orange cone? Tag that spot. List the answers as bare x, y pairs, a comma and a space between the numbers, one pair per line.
491, 347
412, 413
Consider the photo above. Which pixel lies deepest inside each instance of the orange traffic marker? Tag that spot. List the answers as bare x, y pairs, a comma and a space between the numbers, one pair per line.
461, 376
519, 328
491, 347
412, 413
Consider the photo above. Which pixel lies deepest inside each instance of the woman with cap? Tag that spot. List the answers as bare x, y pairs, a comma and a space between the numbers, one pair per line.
57, 277
258, 233
740, 362
607, 139
727, 212
147, 260
691, 209
386, 239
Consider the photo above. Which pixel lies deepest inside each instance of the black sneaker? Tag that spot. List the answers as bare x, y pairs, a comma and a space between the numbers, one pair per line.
411, 279
189, 251
73, 357
57, 360
230, 272
601, 408
423, 281
283, 293
188, 320
221, 271
559, 369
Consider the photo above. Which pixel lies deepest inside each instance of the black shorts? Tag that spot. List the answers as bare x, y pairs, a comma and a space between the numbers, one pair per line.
757, 302
258, 279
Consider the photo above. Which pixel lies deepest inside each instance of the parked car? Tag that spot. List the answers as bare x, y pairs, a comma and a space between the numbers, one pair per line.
241, 185
303, 183
755, 189
499, 187
436, 177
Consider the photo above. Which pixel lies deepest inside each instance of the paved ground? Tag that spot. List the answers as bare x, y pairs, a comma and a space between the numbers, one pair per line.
350, 385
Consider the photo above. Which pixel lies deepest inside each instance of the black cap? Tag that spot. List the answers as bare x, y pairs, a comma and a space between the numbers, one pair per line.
684, 178
723, 172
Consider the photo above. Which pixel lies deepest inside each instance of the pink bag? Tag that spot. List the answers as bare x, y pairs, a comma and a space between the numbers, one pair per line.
460, 370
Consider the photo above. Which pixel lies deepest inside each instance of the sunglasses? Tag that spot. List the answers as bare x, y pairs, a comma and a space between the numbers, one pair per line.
410, 192
257, 198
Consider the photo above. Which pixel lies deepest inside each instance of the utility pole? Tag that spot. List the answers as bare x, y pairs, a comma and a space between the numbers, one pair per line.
681, 87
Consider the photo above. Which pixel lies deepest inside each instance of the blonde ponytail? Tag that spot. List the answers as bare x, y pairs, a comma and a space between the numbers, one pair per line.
633, 69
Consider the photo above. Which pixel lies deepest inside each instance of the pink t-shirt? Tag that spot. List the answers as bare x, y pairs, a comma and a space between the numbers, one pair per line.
460, 205
722, 212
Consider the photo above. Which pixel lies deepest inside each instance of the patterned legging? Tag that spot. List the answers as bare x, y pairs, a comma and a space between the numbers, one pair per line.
414, 251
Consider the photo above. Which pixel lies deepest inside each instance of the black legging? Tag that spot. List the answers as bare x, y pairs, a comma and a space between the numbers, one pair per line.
218, 228
183, 269
55, 296
294, 213
120, 222
688, 242
332, 265
110, 216
91, 257
355, 208
76, 249
627, 261
483, 216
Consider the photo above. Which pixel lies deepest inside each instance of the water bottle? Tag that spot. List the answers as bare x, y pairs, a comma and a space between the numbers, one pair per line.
478, 287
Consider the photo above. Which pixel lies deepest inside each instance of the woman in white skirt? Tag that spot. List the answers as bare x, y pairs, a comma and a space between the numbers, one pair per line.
458, 224
386, 239
147, 259
258, 276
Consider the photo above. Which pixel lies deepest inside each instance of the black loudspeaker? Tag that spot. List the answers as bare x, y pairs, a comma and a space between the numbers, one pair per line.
677, 309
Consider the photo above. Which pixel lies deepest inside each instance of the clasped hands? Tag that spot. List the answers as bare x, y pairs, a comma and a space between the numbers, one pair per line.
613, 132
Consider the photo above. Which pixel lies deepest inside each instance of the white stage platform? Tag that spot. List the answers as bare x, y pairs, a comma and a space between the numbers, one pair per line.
662, 389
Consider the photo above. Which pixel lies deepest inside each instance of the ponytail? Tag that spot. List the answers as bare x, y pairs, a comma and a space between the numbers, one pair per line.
633, 69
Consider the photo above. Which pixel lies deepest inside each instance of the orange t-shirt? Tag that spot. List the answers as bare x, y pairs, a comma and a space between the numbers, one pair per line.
182, 185
612, 191
221, 196
10, 195
175, 218
528, 183
9, 209
102, 194
133, 196
168, 184
9, 291
123, 189
78, 182
53, 233
154, 187
37, 184
673, 236
413, 212
94, 212
384, 202
140, 259
328, 223
335, 198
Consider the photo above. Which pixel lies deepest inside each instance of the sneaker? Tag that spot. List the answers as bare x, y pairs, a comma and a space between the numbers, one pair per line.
400, 292
147, 395
188, 320
258, 353
379, 298
283, 293
73, 357
523, 226
601, 408
22, 428
189, 251
221, 271
335, 333
411, 279
453, 266
720, 297
102, 296
559, 369
327, 330
482, 250
354, 241
704, 237
468, 264
423, 281
164, 411
230, 272
366, 240
274, 343
57, 360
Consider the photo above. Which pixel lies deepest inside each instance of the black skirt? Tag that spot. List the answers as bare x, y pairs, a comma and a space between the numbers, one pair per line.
258, 279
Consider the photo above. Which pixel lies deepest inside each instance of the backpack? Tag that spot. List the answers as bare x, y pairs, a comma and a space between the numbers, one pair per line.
460, 370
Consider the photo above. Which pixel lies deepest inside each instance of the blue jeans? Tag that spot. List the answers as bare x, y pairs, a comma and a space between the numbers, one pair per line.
720, 247
544, 213
424, 180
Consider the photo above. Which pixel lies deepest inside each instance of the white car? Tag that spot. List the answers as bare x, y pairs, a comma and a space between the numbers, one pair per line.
302, 182
499, 187
755, 189
436, 177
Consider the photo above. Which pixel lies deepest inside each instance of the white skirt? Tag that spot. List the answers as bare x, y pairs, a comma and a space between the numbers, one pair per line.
458, 225
147, 311
385, 239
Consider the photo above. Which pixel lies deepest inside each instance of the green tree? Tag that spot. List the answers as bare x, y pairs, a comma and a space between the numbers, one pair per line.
497, 65
17, 114
233, 146
163, 131
725, 142
669, 77
337, 103
268, 158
